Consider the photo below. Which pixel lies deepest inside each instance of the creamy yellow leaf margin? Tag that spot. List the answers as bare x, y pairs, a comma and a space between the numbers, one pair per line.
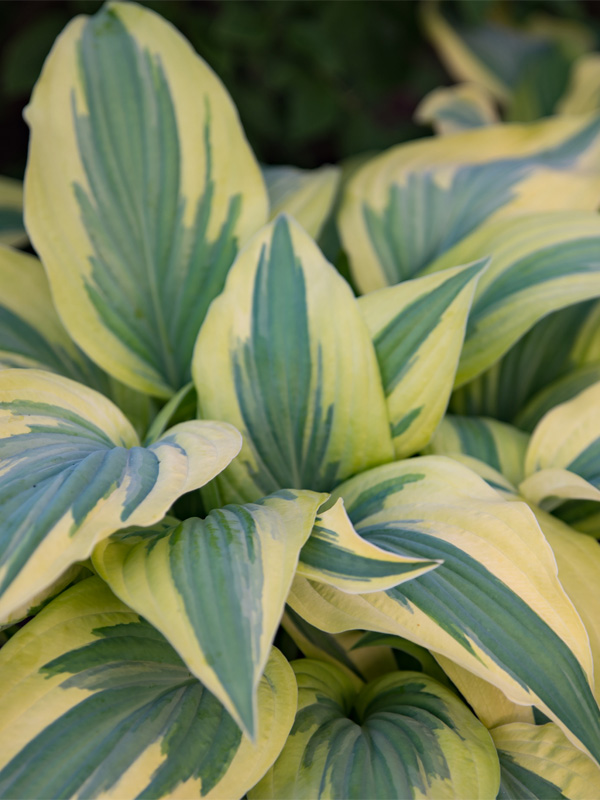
563, 457
73, 472
499, 539
216, 588
541, 182
544, 763
199, 132
47, 672
418, 329
280, 356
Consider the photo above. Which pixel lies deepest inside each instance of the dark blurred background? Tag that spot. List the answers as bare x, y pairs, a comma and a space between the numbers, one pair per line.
314, 81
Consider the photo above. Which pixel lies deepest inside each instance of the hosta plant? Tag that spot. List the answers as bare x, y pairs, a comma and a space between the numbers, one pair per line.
225, 566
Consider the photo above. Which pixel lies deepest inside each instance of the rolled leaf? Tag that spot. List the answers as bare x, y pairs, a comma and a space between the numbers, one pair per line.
73, 473
140, 188
409, 205
12, 230
216, 588
280, 356
501, 446
539, 761
96, 703
418, 329
451, 109
495, 606
402, 735
539, 264
305, 194
337, 555
563, 457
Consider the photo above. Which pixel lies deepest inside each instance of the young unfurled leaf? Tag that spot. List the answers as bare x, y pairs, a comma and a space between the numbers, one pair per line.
216, 588
418, 329
281, 356
495, 606
73, 472
402, 735
140, 189
96, 703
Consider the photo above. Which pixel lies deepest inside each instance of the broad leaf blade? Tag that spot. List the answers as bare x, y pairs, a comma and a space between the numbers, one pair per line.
280, 356
139, 218
73, 473
418, 329
495, 606
216, 588
96, 703
403, 735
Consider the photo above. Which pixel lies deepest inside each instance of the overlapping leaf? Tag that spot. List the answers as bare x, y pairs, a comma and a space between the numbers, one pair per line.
539, 263
73, 472
402, 735
140, 188
96, 703
216, 588
409, 205
563, 457
306, 195
280, 356
539, 761
494, 606
418, 329
498, 445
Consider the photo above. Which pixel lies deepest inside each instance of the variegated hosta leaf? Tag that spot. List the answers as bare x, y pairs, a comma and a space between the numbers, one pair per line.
216, 588
280, 356
402, 735
409, 205
32, 335
538, 761
540, 357
495, 606
407, 655
583, 92
563, 457
305, 194
418, 329
490, 705
501, 446
578, 561
95, 703
539, 263
12, 230
337, 555
73, 472
140, 187
451, 109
